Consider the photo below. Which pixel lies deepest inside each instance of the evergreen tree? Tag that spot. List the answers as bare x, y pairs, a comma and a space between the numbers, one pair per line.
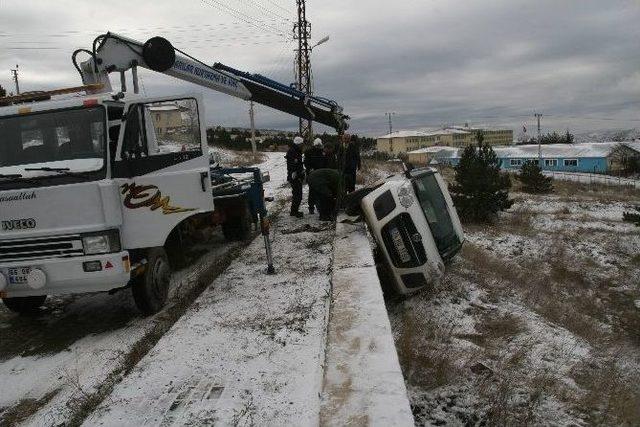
569, 138
533, 181
480, 190
3, 92
633, 216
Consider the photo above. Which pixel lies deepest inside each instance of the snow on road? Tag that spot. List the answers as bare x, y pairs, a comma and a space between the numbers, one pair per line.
250, 350
56, 361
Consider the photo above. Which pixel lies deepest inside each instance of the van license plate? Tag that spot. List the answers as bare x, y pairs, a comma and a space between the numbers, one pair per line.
18, 275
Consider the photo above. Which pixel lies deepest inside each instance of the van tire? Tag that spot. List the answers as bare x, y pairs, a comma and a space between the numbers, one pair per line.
150, 291
24, 305
237, 227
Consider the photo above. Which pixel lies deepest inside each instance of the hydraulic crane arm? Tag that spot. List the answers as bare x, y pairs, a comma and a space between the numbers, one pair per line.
114, 53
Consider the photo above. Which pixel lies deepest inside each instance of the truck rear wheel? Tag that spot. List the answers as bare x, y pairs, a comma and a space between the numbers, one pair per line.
24, 305
237, 227
150, 291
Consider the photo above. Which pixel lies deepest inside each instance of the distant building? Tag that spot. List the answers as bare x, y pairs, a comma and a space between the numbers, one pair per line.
166, 118
596, 157
405, 141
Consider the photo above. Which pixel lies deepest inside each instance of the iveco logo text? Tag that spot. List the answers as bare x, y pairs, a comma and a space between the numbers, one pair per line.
18, 224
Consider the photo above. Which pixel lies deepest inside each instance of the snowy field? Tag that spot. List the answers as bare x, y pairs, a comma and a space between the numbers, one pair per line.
537, 321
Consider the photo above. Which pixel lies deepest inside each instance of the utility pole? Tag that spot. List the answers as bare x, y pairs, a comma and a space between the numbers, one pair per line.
15, 79
390, 115
539, 116
302, 33
253, 128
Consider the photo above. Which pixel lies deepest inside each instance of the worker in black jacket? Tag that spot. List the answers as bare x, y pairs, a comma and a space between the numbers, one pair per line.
327, 185
295, 174
352, 162
314, 159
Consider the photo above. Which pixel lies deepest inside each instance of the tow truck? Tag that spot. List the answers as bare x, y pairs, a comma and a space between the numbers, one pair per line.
101, 191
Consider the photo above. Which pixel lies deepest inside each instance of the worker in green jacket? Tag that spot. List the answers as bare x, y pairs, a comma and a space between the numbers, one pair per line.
327, 185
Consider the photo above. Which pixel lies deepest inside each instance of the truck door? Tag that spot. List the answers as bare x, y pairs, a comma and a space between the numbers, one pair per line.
162, 168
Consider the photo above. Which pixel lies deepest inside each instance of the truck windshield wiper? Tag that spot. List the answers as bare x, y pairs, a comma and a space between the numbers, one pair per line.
61, 171
47, 169
10, 175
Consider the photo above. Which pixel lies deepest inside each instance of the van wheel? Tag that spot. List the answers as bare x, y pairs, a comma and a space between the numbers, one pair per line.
150, 291
24, 305
237, 227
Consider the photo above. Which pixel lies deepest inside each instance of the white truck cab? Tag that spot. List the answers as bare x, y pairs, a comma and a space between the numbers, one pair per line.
416, 227
87, 191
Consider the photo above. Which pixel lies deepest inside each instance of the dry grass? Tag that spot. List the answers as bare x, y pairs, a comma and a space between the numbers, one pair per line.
242, 159
500, 326
424, 352
600, 192
373, 170
611, 395
24, 409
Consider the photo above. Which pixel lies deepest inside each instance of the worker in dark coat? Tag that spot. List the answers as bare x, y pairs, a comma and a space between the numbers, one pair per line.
352, 162
327, 186
314, 159
295, 174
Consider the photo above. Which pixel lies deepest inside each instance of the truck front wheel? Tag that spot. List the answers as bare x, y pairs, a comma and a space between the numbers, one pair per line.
24, 305
150, 290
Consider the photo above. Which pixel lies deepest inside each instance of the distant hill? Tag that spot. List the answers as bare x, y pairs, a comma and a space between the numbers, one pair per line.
609, 135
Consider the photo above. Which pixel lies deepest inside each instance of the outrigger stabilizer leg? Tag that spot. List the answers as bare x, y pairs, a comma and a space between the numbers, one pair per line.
264, 227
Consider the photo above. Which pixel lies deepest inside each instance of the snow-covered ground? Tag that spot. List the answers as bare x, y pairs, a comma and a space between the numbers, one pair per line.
250, 350
53, 364
536, 322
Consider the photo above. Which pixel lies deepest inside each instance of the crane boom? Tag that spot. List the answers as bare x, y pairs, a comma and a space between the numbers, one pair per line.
115, 53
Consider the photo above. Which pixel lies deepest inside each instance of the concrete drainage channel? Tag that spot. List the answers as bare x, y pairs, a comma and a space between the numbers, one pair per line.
363, 382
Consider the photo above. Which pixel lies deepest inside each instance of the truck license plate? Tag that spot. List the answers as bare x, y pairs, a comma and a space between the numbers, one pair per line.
18, 275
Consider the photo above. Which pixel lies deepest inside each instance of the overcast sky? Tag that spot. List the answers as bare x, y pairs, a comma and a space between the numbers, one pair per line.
432, 62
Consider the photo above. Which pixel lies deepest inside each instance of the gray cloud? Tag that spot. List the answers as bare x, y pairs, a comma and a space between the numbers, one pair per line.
431, 61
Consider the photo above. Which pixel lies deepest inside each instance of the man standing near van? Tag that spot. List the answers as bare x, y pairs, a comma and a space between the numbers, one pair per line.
295, 174
314, 159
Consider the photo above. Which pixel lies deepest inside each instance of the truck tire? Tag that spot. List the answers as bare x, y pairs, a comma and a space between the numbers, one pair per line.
150, 290
237, 227
24, 305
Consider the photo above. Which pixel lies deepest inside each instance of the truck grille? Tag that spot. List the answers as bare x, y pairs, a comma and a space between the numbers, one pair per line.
40, 248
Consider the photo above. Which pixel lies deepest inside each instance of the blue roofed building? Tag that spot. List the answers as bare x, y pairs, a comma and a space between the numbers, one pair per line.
600, 157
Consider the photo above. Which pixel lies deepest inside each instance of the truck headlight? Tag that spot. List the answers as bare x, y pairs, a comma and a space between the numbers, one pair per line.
101, 243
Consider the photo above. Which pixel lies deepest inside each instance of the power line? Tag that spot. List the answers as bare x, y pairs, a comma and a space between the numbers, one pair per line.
279, 6
262, 8
223, 7
146, 28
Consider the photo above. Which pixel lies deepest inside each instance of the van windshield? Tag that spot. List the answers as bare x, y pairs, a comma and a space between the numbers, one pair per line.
72, 140
434, 206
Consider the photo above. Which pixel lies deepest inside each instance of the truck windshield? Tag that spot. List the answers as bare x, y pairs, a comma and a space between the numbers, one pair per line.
71, 140
435, 210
